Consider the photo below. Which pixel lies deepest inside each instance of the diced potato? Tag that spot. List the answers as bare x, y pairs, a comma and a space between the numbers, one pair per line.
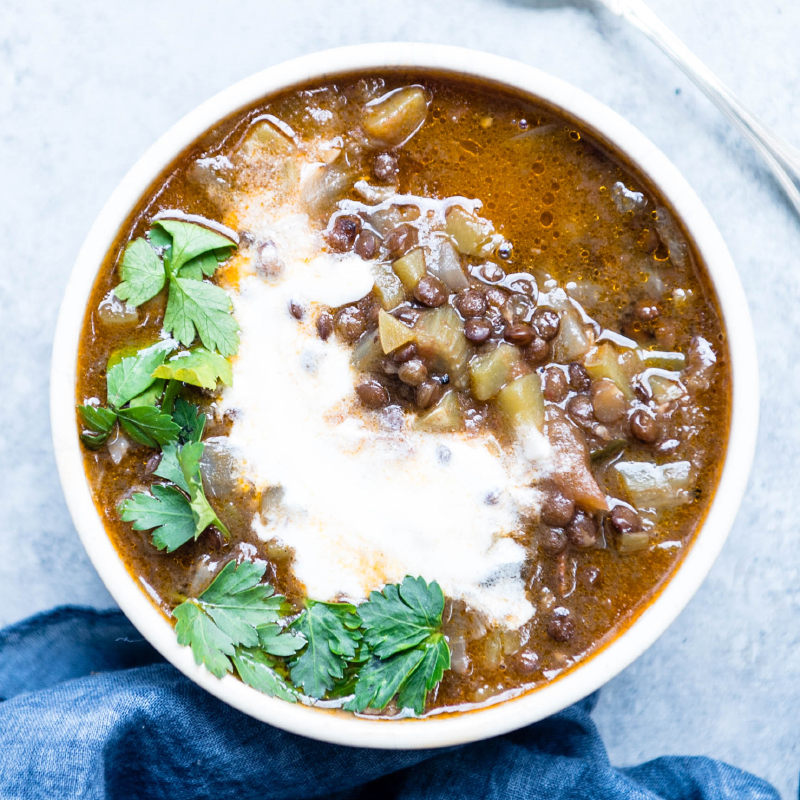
440, 337
392, 332
443, 417
522, 402
662, 359
265, 138
472, 234
650, 486
603, 362
388, 288
572, 472
572, 342
490, 372
367, 353
394, 118
410, 268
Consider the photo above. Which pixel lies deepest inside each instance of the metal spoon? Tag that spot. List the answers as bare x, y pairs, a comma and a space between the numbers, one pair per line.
780, 157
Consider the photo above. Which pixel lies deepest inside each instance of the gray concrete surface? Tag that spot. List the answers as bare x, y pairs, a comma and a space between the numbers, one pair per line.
86, 86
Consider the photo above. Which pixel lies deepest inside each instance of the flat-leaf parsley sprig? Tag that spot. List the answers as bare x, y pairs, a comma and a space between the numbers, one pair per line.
389, 647
180, 255
179, 512
131, 401
402, 627
234, 624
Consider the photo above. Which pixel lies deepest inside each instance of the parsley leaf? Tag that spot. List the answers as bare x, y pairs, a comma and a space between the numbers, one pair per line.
182, 253
226, 615
409, 654
191, 422
426, 675
381, 679
180, 466
132, 376
200, 367
258, 670
190, 242
142, 273
401, 616
148, 426
149, 397
166, 510
100, 422
331, 630
278, 641
409, 675
201, 308
169, 468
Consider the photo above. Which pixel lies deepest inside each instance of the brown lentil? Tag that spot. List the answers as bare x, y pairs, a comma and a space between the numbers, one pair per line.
471, 303
554, 385
430, 291
477, 330
324, 325
644, 427
547, 322
342, 235
625, 520
582, 531
350, 323
412, 372
372, 393
520, 334
579, 380
367, 245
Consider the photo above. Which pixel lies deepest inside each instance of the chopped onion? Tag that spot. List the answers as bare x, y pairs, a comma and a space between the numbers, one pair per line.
374, 194
118, 447
323, 187
459, 660
114, 313
218, 467
445, 264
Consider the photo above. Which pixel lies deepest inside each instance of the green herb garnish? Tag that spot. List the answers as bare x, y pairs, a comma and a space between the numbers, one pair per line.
189, 252
166, 510
179, 512
191, 422
131, 382
228, 623
134, 375
199, 367
401, 626
325, 651
331, 630
147, 425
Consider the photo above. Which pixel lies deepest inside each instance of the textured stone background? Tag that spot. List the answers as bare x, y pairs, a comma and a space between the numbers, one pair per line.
85, 88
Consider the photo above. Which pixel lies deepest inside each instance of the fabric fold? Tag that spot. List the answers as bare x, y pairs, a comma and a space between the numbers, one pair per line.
92, 711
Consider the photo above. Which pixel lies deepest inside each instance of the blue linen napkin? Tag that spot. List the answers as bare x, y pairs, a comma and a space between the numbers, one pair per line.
90, 710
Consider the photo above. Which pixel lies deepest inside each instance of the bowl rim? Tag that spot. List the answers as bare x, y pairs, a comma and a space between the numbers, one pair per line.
600, 667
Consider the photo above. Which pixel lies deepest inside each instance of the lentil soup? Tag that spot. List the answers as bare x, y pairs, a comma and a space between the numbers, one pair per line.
401, 347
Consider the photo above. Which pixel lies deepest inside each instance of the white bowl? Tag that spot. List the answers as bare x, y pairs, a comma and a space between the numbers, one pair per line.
446, 729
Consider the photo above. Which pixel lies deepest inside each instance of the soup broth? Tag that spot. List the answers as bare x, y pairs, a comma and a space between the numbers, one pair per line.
467, 343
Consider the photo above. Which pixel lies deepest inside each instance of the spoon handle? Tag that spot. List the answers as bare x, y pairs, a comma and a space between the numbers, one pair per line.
781, 157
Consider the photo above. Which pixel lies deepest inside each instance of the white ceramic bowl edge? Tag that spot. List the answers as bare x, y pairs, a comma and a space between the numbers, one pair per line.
598, 669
